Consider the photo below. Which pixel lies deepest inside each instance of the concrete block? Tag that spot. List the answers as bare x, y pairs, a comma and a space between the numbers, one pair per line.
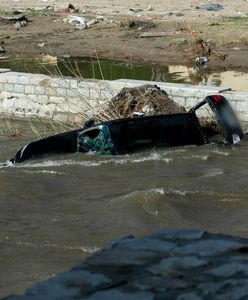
56, 100
242, 106
40, 90
87, 84
31, 98
9, 87
59, 83
61, 92
42, 99
71, 92
84, 92
12, 79
3, 78
72, 83
29, 89
19, 88
50, 91
190, 102
24, 80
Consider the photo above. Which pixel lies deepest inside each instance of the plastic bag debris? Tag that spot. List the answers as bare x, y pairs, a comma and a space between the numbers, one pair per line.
201, 60
78, 22
20, 24
210, 6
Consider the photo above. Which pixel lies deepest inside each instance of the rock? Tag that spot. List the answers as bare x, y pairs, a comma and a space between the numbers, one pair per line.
119, 295
230, 269
170, 264
148, 243
181, 234
188, 265
121, 257
189, 296
210, 247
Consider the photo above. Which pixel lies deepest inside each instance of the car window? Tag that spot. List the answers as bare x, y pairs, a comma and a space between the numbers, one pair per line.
97, 140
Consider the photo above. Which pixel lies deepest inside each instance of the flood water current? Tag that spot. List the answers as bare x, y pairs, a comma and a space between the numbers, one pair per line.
57, 210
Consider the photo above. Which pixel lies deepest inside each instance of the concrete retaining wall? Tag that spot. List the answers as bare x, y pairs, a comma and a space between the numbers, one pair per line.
67, 100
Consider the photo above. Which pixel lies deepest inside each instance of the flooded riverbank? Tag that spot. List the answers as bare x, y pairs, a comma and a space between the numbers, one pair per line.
57, 210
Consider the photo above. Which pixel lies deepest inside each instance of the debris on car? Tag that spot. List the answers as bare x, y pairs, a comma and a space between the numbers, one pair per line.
146, 99
127, 135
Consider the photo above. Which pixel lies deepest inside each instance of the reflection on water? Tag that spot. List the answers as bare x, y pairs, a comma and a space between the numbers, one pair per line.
105, 69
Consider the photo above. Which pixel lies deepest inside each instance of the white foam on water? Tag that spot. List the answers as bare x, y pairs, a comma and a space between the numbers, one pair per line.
96, 163
229, 200
221, 153
178, 192
202, 157
89, 249
213, 173
45, 172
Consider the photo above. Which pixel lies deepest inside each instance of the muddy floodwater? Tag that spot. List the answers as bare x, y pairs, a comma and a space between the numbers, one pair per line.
57, 210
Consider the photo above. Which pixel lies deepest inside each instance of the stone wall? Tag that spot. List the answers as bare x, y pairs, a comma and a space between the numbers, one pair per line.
68, 100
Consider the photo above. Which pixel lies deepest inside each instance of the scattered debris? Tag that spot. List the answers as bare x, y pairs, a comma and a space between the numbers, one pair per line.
136, 24
149, 8
201, 47
71, 9
179, 14
13, 18
92, 22
82, 23
78, 22
215, 24
158, 34
242, 14
168, 14
42, 44
201, 60
2, 49
146, 99
210, 6
136, 10
20, 24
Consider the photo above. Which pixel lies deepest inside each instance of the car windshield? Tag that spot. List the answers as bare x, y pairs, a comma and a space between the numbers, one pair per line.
96, 140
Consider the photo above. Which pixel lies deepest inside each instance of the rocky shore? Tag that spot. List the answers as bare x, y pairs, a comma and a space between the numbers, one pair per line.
170, 264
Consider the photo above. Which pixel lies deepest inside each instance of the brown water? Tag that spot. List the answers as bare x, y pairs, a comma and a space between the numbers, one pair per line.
57, 210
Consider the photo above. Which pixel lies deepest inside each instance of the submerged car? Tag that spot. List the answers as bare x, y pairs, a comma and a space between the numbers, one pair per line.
128, 135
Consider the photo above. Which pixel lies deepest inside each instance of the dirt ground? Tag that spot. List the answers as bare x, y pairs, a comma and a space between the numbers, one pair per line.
187, 32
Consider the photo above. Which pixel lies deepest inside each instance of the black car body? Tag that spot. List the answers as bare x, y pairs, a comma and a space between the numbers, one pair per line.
127, 135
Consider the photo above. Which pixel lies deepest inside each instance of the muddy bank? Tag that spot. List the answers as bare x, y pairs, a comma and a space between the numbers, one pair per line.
171, 34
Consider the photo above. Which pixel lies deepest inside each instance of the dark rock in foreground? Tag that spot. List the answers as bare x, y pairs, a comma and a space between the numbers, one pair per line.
170, 264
